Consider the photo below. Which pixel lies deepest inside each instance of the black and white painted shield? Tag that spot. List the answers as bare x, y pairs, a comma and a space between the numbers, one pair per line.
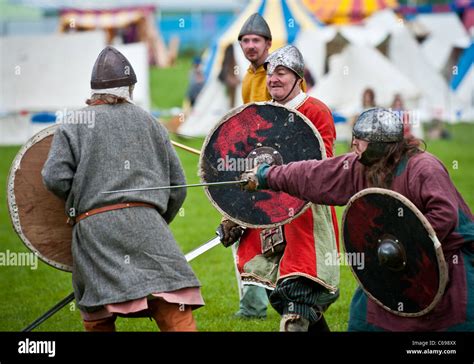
403, 268
248, 135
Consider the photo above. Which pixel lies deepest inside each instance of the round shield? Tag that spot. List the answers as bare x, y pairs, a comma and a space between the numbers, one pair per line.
246, 136
37, 215
393, 252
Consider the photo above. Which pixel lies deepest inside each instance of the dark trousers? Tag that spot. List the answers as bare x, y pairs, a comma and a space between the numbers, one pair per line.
303, 297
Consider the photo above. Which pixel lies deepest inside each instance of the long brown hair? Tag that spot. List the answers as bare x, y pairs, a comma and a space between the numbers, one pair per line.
382, 172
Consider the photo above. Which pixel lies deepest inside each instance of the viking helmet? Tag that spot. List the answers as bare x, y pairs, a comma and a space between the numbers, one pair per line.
112, 69
288, 56
255, 24
379, 127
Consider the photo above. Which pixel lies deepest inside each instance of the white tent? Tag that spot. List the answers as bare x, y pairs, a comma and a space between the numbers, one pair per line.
462, 85
358, 68
51, 73
434, 100
406, 55
354, 70
426, 64
46, 72
312, 45
446, 32
375, 30
385, 20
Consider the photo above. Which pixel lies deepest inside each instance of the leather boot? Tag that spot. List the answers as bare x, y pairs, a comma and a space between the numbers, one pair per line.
293, 323
102, 325
172, 316
320, 326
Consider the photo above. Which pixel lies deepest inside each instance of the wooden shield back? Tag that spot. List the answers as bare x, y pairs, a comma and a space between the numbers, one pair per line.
37, 215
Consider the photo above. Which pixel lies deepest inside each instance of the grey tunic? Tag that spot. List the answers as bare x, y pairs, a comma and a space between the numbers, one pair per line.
123, 254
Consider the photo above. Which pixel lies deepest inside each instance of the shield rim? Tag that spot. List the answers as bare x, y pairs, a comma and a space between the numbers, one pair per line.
11, 198
443, 270
226, 117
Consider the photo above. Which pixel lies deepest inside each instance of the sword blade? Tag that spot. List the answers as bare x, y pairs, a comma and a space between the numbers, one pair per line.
203, 248
224, 183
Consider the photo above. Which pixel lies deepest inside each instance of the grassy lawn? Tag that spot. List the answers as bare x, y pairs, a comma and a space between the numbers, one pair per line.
25, 294
168, 86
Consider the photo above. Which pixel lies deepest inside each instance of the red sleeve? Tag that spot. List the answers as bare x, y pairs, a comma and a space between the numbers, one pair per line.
320, 115
433, 190
330, 181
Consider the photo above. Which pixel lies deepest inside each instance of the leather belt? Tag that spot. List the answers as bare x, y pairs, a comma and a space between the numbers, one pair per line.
117, 206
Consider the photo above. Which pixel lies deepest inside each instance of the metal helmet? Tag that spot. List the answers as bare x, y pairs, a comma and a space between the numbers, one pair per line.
288, 56
380, 127
255, 24
112, 69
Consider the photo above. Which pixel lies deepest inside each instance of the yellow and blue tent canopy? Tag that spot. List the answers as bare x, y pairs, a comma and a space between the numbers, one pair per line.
346, 11
286, 19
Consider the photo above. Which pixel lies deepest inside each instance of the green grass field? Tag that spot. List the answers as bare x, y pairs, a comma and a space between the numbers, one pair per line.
25, 293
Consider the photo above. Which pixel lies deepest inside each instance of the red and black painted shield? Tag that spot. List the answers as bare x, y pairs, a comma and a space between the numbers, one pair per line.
248, 135
394, 253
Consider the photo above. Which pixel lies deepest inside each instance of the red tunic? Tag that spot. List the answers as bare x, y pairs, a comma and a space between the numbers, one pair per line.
311, 236
424, 181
